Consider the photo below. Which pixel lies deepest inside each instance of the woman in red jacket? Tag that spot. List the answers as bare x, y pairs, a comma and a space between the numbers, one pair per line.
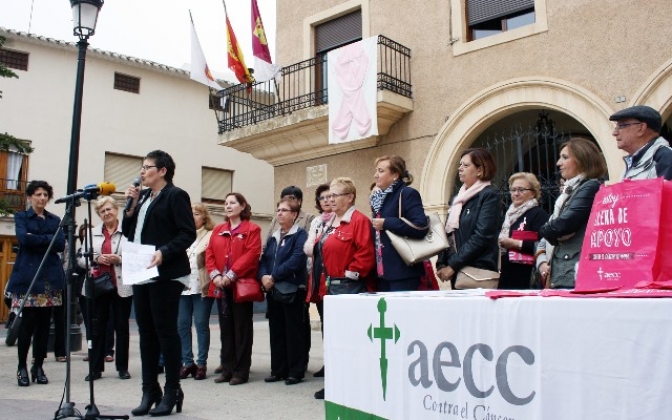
233, 253
345, 246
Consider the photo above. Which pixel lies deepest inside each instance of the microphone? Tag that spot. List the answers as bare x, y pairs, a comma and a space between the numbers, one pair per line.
89, 192
136, 184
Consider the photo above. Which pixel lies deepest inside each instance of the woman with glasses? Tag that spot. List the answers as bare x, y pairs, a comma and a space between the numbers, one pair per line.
317, 289
282, 271
233, 253
582, 165
345, 246
519, 234
160, 215
393, 199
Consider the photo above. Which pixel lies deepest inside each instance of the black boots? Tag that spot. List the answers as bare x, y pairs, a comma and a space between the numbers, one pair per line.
171, 398
37, 374
22, 376
149, 398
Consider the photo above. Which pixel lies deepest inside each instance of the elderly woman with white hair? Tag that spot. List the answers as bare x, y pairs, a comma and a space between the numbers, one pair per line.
519, 235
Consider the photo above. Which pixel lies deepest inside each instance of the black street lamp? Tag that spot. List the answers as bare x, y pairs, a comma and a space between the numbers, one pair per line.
84, 19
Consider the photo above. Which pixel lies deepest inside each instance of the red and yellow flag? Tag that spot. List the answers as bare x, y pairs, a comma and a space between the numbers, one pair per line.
236, 59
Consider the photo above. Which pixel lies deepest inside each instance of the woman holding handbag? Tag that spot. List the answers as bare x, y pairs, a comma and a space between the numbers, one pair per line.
107, 245
35, 229
343, 250
194, 302
520, 231
233, 253
392, 186
282, 271
581, 165
473, 218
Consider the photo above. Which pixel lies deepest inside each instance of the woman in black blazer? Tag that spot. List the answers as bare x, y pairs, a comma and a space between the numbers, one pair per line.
474, 217
161, 216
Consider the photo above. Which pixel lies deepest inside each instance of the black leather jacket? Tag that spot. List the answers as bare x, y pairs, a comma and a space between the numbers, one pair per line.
572, 220
476, 238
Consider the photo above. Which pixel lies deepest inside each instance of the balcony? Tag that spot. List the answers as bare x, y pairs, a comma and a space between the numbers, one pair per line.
12, 195
288, 122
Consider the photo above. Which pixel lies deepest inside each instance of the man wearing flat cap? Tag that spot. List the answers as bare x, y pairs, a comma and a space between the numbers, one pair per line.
637, 132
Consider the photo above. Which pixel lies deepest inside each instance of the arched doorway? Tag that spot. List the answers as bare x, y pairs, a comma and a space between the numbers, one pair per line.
496, 103
528, 141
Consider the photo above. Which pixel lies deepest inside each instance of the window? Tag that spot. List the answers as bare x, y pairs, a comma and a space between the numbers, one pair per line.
13, 176
487, 17
216, 103
215, 185
14, 59
121, 170
330, 35
126, 83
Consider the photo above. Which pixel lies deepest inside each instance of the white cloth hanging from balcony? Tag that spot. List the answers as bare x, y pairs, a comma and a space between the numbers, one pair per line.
13, 169
352, 91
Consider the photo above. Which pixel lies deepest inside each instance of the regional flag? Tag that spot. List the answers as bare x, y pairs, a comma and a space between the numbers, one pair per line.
199, 67
264, 69
236, 59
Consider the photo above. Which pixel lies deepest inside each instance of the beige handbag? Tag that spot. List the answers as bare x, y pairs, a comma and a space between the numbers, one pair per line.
412, 250
476, 278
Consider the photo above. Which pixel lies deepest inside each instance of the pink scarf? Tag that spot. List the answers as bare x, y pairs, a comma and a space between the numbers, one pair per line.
463, 196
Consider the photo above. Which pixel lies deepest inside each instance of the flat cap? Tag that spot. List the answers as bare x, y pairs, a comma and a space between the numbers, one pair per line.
642, 113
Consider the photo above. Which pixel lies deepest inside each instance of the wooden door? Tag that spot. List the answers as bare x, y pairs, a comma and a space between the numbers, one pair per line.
7, 258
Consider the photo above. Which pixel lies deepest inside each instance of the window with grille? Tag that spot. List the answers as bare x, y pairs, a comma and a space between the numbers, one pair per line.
487, 17
14, 59
215, 185
126, 83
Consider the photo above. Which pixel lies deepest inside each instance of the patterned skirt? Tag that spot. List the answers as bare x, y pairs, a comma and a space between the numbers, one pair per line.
43, 300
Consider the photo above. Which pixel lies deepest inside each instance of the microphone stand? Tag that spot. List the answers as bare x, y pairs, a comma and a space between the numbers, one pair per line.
67, 409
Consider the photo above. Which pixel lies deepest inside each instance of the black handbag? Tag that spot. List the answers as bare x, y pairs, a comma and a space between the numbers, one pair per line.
98, 286
345, 286
284, 292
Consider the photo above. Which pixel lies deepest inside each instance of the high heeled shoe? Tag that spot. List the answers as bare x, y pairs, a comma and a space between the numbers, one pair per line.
149, 398
186, 371
22, 377
37, 374
171, 398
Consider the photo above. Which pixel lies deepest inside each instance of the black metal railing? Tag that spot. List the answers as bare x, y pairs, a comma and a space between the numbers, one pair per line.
304, 85
12, 195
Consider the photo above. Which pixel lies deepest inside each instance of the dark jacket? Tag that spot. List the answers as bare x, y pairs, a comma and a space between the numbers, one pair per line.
169, 225
477, 237
394, 267
34, 235
517, 276
572, 220
284, 259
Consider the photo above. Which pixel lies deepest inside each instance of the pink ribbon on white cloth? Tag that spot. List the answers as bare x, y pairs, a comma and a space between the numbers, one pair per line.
350, 68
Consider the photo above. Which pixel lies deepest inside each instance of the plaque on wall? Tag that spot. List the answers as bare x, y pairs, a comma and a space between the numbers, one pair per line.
316, 175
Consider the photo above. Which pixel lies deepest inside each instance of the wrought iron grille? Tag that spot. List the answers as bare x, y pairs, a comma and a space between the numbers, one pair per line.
531, 149
304, 85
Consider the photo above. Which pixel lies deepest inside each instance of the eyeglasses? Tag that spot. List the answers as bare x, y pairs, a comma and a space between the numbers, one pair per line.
282, 210
519, 190
620, 127
334, 196
324, 197
147, 167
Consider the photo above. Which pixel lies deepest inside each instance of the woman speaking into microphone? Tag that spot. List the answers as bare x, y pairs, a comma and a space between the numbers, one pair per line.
161, 216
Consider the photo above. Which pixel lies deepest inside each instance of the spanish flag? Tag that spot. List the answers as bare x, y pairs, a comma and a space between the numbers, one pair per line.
236, 59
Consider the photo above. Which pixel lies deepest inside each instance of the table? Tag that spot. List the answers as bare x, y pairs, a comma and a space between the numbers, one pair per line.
452, 355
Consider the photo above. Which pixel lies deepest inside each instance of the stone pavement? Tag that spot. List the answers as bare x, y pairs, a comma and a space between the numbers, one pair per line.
204, 400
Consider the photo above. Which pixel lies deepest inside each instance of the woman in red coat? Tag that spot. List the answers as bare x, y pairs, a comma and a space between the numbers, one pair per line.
233, 253
345, 247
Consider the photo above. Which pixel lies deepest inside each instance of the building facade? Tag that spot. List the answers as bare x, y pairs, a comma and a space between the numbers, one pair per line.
130, 107
515, 76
